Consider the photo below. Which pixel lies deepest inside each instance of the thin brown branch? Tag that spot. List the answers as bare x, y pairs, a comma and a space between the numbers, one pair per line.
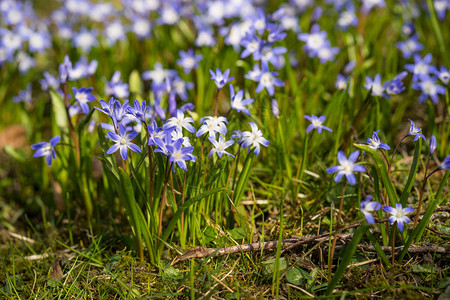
288, 244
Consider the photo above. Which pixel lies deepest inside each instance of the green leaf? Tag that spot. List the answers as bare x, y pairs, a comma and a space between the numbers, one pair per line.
378, 248
393, 197
17, 154
136, 86
182, 208
418, 231
296, 276
349, 252
59, 110
209, 235
269, 265
243, 178
85, 121
237, 233
412, 173
172, 273
423, 269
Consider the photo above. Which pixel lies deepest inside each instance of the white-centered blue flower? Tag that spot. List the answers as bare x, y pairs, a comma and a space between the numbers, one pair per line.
122, 142
254, 139
180, 122
347, 167
46, 149
375, 142
368, 207
415, 131
398, 214
237, 103
220, 146
433, 144
212, 125
316, 123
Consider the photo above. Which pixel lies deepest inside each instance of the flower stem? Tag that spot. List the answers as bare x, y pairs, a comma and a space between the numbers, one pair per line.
235, 173
182, 202
217, 103
163, 195
150, 165
393, 153
394, 228
333, 245
71, 127
422, 190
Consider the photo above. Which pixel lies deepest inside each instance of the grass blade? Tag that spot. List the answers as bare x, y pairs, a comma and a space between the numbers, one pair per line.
350, 250
393, 197
412, 173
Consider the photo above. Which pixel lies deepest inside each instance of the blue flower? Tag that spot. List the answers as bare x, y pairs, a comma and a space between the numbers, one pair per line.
238, 136
314, 40
415, 131
116, 87
188, 60
408, 29
158, 77
327, 53
140, 111
275, 108
24, 95
368, 5
180, 122
82, 68
375, 142
316, 123
64, 69
38, 41
445, 165
421, 66
180, 154
429, 88
341, 82
220, 146
273, 55
368, 207
433, 144
398, 214
120, 111
205, 37
275, 33
122, 142
49, 82
395, 86
267, 80
410, 46
46, 149
85, 39
444, 75
237, 103
179, 87
83, 97
114, 32
141, 27
375, 85
221, 79
347, 17
347, 167
253, 74
154, 132
254, 139
441, 7
212, 125
252, 45
107, 108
